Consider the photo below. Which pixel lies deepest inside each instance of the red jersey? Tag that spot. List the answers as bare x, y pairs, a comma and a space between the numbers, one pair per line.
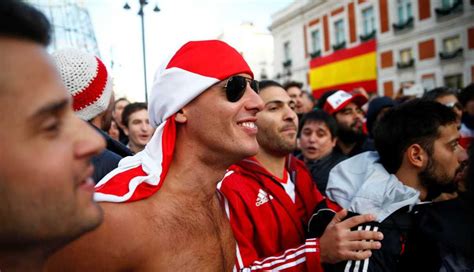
268, 226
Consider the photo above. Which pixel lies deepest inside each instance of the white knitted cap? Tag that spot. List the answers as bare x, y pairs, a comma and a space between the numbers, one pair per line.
86, 78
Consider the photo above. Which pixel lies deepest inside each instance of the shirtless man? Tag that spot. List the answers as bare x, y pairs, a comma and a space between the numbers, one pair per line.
46, 187
204, 105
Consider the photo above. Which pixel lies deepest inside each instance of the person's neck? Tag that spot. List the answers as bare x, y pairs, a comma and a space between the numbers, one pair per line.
97, 121
22, 260
135, 148
194, 173
274, 164
410, 178
346, 148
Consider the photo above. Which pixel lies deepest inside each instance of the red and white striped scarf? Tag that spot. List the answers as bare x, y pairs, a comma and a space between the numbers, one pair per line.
195, 67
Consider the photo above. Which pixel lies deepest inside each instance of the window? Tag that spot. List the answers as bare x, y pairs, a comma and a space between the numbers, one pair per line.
451, 44
339, 32
428, 82
454, 81
449, 7
404, 11
446, 4
406, 55
286, 55
286, 51
315, 41
368, 21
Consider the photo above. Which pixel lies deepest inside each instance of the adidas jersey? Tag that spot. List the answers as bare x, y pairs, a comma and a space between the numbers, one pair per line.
269, 226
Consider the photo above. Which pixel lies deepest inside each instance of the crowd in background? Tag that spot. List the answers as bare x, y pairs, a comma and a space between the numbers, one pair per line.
350, 181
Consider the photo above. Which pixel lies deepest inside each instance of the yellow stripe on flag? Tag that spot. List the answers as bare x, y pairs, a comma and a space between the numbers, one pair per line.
355, 69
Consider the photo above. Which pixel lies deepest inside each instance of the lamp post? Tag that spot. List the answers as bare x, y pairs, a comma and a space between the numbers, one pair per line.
143, 3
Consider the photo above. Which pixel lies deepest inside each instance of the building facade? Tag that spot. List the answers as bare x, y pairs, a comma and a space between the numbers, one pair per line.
428, 43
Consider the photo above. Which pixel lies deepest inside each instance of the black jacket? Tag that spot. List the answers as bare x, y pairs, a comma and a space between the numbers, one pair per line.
108, 160
320, 168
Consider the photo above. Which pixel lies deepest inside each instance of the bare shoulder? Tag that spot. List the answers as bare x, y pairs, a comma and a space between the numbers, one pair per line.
112, 246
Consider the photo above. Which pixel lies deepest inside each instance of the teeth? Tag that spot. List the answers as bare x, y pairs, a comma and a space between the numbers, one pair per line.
248, 124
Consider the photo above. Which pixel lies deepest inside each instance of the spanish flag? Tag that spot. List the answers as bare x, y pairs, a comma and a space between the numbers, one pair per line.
345, 69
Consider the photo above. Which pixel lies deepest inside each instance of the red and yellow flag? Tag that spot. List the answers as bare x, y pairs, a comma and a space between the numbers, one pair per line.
345, 69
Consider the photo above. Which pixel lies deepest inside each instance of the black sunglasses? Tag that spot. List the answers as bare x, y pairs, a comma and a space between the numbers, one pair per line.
236, 86
454, 105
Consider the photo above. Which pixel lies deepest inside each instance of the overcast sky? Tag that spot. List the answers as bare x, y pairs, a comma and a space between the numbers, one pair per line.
118, 31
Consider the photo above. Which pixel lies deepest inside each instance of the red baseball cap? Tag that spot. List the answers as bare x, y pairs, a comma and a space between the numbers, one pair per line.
340, 99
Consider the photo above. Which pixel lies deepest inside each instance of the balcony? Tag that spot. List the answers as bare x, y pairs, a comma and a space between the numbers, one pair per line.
315, 54
339, 46
368, 36
408, 24
455, 8
287, 63
452, 54
404, 65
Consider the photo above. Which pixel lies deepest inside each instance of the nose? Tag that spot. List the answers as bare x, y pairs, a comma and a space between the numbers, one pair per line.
312, 137
290, 114
358, 116
253, 102
462, 154
144, 127
89, 142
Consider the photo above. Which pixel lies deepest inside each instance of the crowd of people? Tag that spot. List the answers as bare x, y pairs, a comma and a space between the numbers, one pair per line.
221, 172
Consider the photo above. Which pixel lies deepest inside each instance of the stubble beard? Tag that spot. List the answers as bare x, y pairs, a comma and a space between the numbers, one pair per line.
436, 183
349, 135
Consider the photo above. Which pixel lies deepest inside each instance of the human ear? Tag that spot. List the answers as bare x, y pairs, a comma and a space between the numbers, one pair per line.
416, 155
180, 116
333, 141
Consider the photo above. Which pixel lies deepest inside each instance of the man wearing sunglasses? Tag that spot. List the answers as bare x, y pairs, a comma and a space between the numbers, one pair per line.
270, 199
161, 208
448, 97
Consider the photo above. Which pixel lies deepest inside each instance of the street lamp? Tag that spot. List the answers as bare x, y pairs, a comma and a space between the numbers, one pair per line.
142, 17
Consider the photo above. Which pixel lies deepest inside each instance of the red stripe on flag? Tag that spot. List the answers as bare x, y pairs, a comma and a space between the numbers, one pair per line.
370, 86
118, 184
343, 54
145, 190
94, 91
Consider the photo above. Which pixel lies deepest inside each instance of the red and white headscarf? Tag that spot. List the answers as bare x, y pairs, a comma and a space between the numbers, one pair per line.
195, 67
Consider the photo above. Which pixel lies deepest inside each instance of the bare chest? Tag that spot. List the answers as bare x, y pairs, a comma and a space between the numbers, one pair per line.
189, 238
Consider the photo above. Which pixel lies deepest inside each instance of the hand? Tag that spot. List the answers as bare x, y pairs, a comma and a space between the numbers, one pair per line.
340, 243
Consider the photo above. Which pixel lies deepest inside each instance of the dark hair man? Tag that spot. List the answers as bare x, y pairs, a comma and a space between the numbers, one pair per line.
448, 97
137, 126
271, 197
376, 109
119, 105
294, 90
346, 109
308, 101
466, 97
45, 170
317, 139
418, 157
164, 213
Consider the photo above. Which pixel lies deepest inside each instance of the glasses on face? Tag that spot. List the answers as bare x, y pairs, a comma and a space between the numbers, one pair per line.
454, 105
236, 86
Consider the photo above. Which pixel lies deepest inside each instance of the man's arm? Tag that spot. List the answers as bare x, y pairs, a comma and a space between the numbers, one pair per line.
248, 258
337, 243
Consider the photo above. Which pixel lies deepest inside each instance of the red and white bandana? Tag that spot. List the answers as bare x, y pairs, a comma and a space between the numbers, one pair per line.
195, 67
